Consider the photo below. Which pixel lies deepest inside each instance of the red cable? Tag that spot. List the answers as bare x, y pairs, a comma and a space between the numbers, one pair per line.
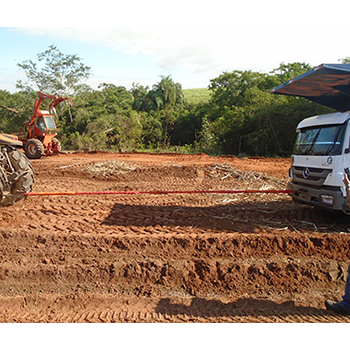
151, 192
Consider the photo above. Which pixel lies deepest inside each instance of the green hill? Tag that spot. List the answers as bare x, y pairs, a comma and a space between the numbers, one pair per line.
195, 96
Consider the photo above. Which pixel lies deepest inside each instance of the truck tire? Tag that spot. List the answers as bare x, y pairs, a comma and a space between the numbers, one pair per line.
19, 182
34, 149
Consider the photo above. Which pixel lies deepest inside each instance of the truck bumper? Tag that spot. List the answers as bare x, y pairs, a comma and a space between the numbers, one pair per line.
324, 198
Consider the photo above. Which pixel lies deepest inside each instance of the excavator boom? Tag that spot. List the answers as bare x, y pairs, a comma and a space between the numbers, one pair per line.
55, 101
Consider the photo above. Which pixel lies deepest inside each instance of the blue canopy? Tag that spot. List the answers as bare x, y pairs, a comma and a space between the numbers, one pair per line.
327, 84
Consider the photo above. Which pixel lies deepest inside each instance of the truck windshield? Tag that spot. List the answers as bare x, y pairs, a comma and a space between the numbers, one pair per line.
321, 140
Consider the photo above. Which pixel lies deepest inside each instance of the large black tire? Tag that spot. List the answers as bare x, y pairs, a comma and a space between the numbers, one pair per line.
21, 180
34, 149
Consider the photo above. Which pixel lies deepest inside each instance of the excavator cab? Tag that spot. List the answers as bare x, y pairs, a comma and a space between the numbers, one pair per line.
41, 126
44, 125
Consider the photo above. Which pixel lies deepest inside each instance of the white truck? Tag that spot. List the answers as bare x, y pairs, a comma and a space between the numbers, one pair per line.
322, 148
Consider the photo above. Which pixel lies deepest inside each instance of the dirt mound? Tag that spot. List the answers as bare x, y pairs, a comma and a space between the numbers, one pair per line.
168, 258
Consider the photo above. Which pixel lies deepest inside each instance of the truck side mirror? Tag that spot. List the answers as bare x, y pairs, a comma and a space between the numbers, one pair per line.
347, 150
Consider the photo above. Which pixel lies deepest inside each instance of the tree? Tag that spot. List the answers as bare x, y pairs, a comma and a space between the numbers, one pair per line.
167, 93
289, 71
345, 60
116, 99
59, 74
143, 101
11, 122
246, 118
229, 89
163, 100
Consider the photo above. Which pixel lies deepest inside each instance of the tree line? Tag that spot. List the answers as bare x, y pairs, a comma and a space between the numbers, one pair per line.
241, 116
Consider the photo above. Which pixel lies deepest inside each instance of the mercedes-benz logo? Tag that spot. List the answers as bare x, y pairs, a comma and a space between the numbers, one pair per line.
306, 173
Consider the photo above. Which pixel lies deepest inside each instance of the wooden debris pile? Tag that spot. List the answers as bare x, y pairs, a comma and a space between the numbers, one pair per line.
110, 168
245, 179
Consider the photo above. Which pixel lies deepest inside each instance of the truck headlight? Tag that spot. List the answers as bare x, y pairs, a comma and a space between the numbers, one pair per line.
327, 199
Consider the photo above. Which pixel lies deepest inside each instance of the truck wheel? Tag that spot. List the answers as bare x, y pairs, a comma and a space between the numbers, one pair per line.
20, 181
34, 149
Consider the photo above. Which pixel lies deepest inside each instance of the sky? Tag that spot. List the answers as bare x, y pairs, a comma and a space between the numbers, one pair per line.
193, 42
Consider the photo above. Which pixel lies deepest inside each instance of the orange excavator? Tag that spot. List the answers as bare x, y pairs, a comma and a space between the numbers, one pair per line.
39, 133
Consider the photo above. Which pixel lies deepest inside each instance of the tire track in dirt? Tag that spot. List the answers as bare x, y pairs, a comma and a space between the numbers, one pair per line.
197, 312
225, 258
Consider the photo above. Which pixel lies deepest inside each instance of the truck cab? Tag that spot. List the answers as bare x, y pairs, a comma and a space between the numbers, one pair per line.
322, 148
321, 152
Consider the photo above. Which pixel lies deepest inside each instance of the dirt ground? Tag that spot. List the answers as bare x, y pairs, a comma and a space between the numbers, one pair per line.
179, 258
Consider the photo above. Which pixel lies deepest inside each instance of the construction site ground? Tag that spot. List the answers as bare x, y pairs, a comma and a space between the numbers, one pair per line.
176, 258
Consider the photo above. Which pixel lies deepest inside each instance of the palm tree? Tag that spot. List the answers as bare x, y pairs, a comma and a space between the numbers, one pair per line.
164, 95
167, 95
169, 92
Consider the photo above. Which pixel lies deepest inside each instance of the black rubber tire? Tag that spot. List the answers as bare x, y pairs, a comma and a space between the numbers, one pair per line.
23, 166
34, 149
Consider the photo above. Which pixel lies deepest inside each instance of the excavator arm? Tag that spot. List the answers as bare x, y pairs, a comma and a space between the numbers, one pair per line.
58, 100
55, 101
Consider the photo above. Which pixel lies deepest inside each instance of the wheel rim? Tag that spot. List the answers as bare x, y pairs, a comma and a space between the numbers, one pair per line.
31, 149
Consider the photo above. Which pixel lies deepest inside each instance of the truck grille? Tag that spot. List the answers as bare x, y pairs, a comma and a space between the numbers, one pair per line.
312, 177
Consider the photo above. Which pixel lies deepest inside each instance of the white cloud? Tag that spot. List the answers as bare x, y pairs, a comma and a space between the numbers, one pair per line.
140, 13
202, 53
204, 49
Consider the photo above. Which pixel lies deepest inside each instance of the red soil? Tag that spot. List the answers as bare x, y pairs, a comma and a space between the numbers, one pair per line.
168, 258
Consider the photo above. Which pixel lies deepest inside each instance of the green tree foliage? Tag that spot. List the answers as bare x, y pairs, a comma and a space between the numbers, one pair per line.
289, 71
23, 103
230, 89
58, 73
164, 95
247, 119
237, 116
188, 125
142, 98
167, 93
164, 100
103, 120
169, 97
152, 130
